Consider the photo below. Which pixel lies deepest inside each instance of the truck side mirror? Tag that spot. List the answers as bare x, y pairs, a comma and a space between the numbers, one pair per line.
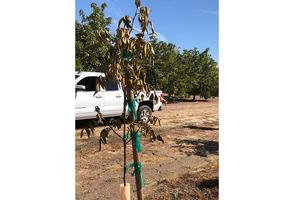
80, 88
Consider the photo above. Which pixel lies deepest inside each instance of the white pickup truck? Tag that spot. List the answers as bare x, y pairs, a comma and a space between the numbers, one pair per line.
110, 99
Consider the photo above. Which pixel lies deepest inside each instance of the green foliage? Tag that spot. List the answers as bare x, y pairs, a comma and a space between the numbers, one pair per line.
164, 74
179, 73
185, 73
205, 81
90, 53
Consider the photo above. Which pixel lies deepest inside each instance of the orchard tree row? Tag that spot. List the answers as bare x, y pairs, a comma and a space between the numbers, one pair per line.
176, 72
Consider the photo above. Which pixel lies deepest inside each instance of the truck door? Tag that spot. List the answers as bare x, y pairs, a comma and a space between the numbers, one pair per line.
86, 100
113, 101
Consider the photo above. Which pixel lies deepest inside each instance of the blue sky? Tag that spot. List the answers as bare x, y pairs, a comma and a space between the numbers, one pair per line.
188, 24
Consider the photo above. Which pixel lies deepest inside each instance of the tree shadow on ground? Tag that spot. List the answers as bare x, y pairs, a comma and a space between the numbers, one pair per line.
199, 147
210, 183
200, 127
178, 99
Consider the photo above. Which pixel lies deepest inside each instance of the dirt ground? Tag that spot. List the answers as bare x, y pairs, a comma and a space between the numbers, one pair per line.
184, 167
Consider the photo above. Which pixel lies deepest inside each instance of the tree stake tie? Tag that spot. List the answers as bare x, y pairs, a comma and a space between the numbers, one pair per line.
138, 144
138, 170
132, 107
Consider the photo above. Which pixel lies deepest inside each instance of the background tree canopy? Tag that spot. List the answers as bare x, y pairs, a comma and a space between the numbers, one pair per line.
90, 53
177, 73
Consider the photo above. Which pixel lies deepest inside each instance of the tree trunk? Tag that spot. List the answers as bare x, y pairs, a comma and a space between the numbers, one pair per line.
124, 132
137, 174
194, 97
138, 180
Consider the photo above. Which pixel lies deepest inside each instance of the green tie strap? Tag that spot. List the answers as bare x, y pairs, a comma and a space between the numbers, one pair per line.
132, 106
137, 136
138, 142
138, 170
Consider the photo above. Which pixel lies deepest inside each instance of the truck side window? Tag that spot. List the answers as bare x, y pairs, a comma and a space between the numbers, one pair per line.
111, 86
89, 83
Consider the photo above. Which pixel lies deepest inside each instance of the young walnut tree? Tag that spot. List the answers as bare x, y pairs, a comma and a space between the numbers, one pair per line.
127, 49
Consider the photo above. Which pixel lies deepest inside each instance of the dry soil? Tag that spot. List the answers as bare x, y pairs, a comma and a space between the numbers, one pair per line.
184, 167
